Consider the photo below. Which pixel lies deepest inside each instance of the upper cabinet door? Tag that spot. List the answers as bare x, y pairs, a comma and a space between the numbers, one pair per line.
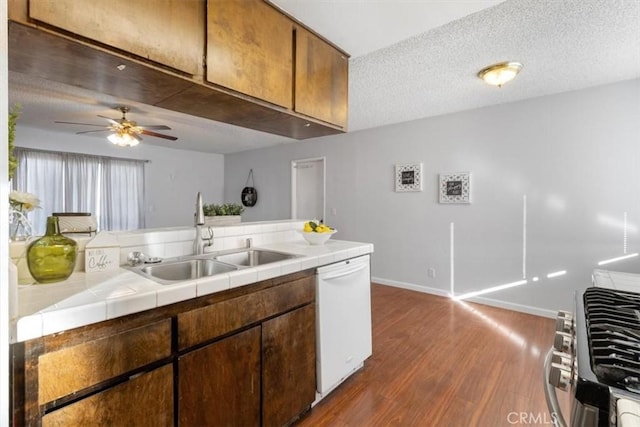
322, 79
250, 49
168, 32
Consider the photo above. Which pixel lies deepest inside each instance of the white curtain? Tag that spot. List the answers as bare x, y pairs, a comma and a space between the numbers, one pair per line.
40, 173
81, 180
110, 189
122, 195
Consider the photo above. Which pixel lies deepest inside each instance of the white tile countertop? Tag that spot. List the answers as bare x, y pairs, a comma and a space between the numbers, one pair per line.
87, 298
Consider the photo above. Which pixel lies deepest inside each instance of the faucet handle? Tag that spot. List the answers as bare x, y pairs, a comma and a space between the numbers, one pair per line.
209, 238
135, 258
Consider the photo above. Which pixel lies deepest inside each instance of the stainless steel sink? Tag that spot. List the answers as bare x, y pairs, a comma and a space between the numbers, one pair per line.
253, 257
185, 270
171, 271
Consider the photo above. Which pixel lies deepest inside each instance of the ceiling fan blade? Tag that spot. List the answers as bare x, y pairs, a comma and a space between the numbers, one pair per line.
90, 131
158, 135
112, 121
83, 124
155, 127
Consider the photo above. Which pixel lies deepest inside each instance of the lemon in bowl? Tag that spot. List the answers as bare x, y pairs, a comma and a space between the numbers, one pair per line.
316, 233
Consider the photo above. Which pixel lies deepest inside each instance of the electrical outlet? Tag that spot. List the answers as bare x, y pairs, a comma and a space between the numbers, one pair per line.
334, 211
431, 272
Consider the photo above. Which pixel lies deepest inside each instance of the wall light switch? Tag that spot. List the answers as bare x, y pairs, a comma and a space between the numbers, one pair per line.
334, 211
431, 272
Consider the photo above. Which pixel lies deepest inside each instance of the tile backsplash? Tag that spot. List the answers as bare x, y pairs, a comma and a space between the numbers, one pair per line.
176, 241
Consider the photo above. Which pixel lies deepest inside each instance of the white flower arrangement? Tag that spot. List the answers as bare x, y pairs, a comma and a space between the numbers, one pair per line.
20, 204
23, 202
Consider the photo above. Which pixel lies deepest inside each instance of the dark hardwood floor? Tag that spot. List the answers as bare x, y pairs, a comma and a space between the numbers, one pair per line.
439, 362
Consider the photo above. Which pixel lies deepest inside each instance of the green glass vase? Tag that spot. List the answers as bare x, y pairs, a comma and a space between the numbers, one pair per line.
52, 257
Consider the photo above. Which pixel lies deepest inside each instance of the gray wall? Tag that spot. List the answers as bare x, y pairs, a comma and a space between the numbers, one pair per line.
172, 177
575, 156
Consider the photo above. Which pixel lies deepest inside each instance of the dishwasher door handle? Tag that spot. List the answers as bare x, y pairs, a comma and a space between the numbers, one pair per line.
343, 273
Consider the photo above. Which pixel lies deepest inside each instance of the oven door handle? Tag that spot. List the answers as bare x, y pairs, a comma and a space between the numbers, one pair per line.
551, 395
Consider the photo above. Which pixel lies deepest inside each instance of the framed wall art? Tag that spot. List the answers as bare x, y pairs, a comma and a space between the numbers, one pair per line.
455, 187
409, 177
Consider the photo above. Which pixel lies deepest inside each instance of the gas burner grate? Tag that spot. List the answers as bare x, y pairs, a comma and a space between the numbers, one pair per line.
602, 297
613, 328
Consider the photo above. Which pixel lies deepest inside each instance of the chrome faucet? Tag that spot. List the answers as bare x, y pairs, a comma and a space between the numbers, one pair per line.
198, 219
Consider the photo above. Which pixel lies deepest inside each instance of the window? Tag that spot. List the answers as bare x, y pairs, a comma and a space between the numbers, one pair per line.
111, 189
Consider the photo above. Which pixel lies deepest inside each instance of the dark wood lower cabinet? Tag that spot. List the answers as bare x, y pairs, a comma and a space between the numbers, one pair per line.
288, 366
219, 385
243, 358
146, 400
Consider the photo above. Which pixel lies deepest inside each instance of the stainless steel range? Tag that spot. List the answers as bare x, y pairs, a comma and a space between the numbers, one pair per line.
596, 357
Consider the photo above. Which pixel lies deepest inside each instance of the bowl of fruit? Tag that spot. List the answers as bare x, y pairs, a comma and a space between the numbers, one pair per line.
317, 233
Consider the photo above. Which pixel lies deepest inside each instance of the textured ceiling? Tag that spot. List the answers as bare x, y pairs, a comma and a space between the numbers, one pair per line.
563, 44
363, 26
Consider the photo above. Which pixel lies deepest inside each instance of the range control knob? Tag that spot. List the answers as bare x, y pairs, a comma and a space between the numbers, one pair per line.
564, 322
562, 342
560, 377
562, 359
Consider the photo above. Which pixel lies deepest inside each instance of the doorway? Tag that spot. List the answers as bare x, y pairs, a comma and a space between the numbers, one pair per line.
308, 189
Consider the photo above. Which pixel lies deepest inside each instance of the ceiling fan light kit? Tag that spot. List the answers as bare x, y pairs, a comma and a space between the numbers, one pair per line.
125, 132
501, 73
123, 139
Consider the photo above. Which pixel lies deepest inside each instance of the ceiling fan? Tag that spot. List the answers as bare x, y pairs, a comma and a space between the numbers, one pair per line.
126, 133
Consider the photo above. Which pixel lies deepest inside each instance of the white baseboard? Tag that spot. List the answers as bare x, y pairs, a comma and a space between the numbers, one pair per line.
411, 286
486, 301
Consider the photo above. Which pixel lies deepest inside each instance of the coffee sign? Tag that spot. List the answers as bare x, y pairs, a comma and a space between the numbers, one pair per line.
102, 254
101, 259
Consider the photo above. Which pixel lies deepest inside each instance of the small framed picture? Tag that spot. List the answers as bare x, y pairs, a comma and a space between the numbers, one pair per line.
455, 187
409, 177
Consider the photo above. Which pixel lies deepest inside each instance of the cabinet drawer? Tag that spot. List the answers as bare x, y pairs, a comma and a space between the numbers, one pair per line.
146, 400
74, 368
209, 322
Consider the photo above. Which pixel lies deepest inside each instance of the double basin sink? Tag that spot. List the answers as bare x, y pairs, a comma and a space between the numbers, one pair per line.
197, 266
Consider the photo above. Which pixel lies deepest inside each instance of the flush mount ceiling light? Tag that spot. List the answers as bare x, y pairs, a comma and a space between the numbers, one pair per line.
499, 74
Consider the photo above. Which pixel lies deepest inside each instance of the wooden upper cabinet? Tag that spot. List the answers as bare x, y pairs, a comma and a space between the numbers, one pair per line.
169, 32
242, 62
250, 49
321, 81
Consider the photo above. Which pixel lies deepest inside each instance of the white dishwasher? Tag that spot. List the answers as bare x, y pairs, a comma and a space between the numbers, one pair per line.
343, 321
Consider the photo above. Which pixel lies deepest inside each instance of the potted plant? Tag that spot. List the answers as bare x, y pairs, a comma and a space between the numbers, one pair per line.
224, 214
13, 117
